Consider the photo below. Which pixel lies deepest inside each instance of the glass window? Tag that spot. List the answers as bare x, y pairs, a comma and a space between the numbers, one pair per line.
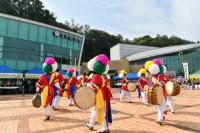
42, 34
41, 52
23, 30
76, 45
11, 64
50, 37
33, 32
3, 26
70, 44
64, 43
21, 65
2, 62
79, 47
31, 65
10, 53
58, 41
12, 28
39, 65
34, 51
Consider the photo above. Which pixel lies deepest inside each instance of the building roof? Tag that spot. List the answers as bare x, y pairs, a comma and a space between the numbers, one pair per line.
38, 23
121, 50
162, 51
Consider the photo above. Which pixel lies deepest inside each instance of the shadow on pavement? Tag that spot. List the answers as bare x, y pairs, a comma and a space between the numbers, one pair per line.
59, 129
15, 97
129, 131
184, 125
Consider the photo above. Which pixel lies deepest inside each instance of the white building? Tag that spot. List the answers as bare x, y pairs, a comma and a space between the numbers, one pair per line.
120, 50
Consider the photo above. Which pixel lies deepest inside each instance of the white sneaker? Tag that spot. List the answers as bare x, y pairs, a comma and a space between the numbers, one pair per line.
89, 126
103, 131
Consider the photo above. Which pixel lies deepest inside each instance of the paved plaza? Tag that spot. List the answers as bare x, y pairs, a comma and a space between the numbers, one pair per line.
18, 116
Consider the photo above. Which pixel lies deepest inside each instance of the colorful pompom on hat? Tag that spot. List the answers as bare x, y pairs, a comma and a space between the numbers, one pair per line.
155, 66
148, 64
122, 73
50, 65
99, 64
142, 71
70, 72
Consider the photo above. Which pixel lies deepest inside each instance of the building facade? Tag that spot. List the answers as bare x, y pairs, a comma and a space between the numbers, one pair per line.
172, 56
24, 44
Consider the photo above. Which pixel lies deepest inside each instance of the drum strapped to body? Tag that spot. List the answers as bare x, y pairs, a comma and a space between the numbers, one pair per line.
155, 94
36, 101
131, 87
172, 88
84, 97
146, 87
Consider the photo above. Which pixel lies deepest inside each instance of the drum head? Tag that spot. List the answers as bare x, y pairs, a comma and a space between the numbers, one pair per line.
131, 86
169, 87
84, 97
146, 87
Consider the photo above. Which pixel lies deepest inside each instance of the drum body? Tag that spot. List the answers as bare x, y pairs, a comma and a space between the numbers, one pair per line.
84, 97
155, 94
172, 88
131, 87
36, 101
146, 88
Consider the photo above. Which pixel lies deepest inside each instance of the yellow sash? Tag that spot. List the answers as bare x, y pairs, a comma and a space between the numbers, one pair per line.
100, 103
45, 92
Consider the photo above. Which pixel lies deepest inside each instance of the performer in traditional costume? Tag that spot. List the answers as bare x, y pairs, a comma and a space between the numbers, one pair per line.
142, 82
101, 112
124, 90
71, 87
48, 84
58, 97
65, 94
156, 78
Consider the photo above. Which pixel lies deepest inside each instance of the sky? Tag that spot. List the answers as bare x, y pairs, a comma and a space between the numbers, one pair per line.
133, 18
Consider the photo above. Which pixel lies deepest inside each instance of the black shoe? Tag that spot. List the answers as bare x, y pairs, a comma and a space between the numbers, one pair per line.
159, 122
173, 112
48, 117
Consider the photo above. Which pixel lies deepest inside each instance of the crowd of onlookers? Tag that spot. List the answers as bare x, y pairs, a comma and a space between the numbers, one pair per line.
24, 85
191, 84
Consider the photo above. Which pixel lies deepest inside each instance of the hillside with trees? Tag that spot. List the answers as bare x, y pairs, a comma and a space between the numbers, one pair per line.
97, 41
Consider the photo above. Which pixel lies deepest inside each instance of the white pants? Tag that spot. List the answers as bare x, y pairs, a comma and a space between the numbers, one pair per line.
93, 118
144, 97
160, 110
125, 93
47, 109
170, 103
56, 101
71, 100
